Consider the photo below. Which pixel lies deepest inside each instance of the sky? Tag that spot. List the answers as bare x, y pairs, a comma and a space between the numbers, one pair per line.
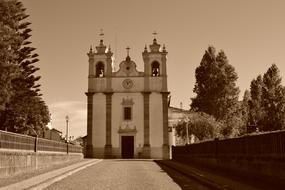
251, 32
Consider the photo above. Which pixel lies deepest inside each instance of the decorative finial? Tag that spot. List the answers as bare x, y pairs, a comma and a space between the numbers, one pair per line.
101, 32
154, 39
145, 48
128, 59
101, 35
90, 51
154, 34
163, 48
128, 51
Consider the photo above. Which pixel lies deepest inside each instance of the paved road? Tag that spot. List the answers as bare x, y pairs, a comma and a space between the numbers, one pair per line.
118, 174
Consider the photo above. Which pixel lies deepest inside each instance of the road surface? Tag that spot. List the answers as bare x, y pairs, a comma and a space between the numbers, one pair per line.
119, 174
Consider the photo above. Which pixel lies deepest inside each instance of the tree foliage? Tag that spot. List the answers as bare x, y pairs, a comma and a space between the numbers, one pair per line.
273, 100
256, 112
234, 123
9, 43
245, 106
217, 93
206, 84
23, 108
267, 101
200, 124
215, 85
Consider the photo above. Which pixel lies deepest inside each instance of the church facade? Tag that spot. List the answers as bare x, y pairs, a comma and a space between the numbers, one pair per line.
127, 110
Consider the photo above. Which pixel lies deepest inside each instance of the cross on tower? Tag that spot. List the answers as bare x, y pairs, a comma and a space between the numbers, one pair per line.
101, 32
128, 51
154, 34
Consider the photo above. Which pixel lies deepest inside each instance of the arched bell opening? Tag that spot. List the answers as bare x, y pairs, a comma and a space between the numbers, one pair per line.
155, 69
100, 72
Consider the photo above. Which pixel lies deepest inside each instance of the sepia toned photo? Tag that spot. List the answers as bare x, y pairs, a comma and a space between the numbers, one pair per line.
142, 94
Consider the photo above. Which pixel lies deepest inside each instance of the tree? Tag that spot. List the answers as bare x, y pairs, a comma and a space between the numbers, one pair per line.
256, 113
26, 115
273, 100
217, 93
24, 110
200, 124
7, 73
9, 42
245, 106
215, 85
228, 92
234, 123
206, 83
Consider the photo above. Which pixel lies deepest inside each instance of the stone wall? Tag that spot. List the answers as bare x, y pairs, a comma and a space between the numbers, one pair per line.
15, 162
258, 156
21, 153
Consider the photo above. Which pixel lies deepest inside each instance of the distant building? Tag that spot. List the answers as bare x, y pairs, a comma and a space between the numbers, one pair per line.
176, 115
52, 134
82, 141
127, 109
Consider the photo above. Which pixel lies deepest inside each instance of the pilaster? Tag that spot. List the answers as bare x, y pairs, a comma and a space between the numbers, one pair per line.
108, 145
164, 72
91, 55
147, 71
146, 146
165, 125
89, 146
109, 70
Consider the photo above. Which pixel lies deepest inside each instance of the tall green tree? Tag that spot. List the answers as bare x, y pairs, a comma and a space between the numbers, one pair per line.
206, 83
234, 121
245, 106
25, 111
273, 100
9, 43
256, 112
228, 91
217, 93
245, 110
215, 85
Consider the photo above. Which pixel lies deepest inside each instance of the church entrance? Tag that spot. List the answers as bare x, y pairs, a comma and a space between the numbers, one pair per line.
127, 146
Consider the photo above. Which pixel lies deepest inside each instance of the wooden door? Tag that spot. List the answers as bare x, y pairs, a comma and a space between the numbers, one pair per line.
127, 146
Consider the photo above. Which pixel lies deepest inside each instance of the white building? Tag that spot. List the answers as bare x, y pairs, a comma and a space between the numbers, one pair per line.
175, 116
127, 109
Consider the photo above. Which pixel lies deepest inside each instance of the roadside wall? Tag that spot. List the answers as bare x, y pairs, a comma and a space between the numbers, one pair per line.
22, 153
257, 156
14, 162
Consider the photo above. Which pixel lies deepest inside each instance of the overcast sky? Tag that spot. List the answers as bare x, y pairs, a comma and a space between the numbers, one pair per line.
251, 32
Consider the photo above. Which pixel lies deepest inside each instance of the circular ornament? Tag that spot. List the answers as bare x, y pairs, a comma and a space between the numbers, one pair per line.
128, 83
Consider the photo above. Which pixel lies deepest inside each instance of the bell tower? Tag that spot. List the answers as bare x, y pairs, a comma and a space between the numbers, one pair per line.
155, 97
100, 68
99, 82
155, 67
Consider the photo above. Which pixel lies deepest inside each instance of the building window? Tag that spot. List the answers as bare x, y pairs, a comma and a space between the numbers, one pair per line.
100, 69
127, 113
155, 69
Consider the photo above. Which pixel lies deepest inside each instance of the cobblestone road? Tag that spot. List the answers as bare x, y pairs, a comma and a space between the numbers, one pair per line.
118, 174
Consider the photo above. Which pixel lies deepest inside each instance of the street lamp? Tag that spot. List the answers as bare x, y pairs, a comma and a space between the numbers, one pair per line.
66, 119
36, 139
187, 133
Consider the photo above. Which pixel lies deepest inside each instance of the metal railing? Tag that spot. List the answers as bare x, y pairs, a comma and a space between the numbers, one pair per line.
14, 141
